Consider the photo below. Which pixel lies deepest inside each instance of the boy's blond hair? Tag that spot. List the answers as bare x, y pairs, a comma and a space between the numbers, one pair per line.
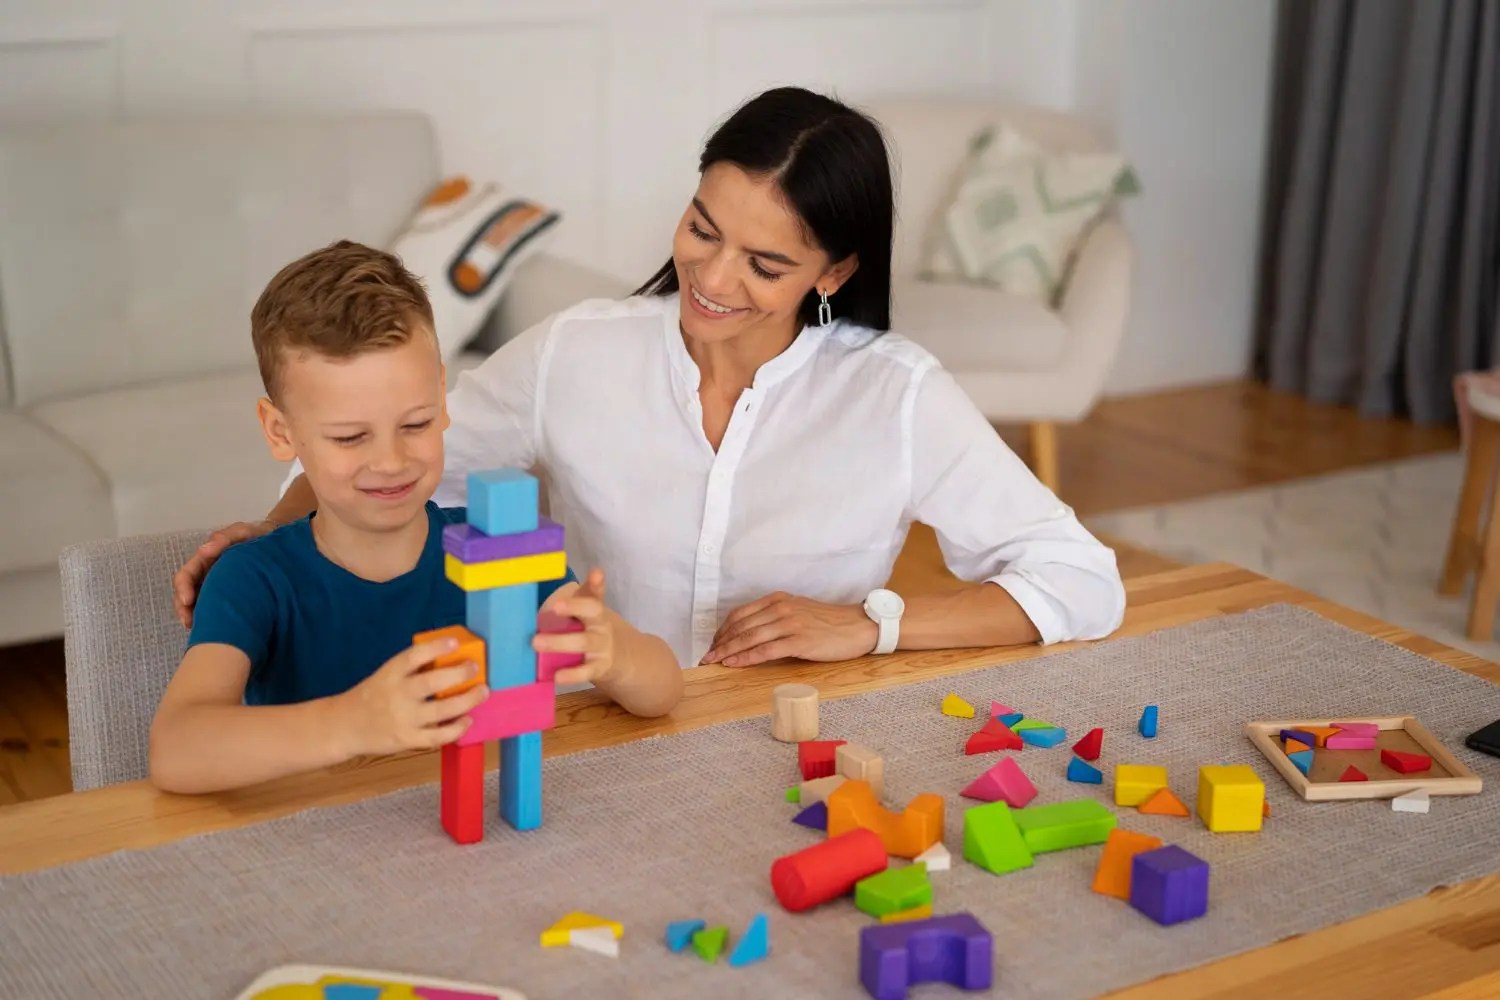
340, 301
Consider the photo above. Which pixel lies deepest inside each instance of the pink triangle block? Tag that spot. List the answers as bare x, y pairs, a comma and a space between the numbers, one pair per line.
997, 710
1368, 729
1005, 782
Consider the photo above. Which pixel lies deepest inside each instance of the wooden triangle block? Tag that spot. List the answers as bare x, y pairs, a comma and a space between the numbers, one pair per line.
1294, 746
1321, 733
1405, 763
1164, 803
1352, 773
1088, 748
994, 736
958, 708
1005, 782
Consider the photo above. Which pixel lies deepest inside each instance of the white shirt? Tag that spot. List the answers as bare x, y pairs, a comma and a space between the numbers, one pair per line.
841, 442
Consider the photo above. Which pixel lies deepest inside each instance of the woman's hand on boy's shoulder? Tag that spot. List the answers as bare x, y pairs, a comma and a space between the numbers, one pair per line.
596, 641
189, 579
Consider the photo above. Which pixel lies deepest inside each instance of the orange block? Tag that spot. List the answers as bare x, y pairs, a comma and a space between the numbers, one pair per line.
905, 834
1112, 877
1265, 808
1164, 803
1295, 746
1321, 733
470, 649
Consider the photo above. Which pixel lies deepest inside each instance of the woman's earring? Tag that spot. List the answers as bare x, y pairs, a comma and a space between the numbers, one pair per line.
825, 311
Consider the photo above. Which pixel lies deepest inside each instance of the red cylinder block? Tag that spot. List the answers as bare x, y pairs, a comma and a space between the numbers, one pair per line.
827, 870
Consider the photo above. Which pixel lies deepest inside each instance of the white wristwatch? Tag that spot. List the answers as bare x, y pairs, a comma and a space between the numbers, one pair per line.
885, 608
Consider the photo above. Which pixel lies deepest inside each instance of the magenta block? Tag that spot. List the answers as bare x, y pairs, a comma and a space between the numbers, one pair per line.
953, 949
1369, 729
548, 664
434, 993
468, 544
1339, 741
511, 712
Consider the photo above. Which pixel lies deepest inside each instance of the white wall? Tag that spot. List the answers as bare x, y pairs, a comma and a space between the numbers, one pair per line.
599, 106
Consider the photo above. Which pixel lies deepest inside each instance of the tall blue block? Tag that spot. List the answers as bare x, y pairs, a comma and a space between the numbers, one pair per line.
502, 501
521, 781
505, 618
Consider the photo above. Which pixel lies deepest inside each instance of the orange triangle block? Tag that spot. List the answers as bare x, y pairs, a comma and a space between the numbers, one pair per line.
1163, 803
1295, 746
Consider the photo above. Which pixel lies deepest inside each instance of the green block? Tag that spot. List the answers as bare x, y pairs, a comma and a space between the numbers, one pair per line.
1032, 724
708, 943
893, 890
1058, 826
993, 841
794, 794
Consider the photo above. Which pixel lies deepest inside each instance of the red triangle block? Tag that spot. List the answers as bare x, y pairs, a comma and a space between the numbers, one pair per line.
994, 736
1352, 773
1405, 763
1088, 748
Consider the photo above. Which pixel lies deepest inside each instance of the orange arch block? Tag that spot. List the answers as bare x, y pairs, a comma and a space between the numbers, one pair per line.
905, 834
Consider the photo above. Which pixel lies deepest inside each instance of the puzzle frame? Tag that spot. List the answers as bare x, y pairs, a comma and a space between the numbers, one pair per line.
269, 983
1396, 732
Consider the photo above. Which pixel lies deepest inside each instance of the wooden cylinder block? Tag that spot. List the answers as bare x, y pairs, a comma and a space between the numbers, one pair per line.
794, 716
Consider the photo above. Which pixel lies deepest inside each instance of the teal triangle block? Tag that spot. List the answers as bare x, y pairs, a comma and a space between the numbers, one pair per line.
1303, 759
1044, 737
1009, 721
755, 943
1081, 770
680, 932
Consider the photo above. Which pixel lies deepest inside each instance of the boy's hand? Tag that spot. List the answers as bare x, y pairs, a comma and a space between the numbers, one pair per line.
394, 709
597, 640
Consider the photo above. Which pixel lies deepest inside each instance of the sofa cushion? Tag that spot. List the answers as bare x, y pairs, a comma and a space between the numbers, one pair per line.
975, 328
50, 496
183, 454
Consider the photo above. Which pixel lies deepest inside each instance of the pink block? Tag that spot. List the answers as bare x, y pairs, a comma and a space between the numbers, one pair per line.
529, 708
548, 664
1357, 728
1005, 782
997, 710
1340, 741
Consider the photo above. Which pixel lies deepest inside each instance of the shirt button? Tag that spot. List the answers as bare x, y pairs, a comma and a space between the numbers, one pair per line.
704, 621
708, 548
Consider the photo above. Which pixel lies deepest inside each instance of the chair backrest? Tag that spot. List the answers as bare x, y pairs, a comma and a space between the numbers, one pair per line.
928, 141
122, 643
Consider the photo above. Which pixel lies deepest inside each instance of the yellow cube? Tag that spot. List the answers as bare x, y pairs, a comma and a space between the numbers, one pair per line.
1231, 798
1135, 783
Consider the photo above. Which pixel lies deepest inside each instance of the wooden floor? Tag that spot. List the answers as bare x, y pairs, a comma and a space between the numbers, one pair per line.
1131, 452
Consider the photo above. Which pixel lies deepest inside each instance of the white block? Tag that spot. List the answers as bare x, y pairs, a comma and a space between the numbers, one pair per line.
596, 939
937, 857
1412, 802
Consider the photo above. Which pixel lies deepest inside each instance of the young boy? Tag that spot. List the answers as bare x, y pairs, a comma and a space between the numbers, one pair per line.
300, 653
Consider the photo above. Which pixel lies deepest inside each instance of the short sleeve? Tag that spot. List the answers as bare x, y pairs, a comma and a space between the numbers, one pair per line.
236, 606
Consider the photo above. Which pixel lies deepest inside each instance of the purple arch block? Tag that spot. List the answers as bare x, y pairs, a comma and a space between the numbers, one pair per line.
954, 949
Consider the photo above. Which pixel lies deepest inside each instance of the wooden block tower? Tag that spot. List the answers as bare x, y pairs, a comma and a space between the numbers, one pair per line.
498, 558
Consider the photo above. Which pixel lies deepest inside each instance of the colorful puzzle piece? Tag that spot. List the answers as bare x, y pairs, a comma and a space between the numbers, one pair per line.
1303, 759
1350, 741
1169, 885
1005, 782
1405, 763
1010, 720
1090, 746
1352, 773
710, 942
1045, 737
997, 710
953, 949
936, 858
958, 708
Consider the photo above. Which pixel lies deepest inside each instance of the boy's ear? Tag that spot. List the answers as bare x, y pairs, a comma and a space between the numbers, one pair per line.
274, 426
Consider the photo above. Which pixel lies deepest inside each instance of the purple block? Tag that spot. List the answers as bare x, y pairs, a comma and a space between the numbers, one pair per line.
1301, 735
953, 949
468, 544
814, 816
1169, 885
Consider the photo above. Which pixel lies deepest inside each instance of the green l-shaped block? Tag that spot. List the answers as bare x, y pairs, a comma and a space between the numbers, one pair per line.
1058, 826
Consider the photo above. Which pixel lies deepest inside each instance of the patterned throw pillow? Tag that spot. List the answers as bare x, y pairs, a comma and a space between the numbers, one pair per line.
1020, 213
465, 243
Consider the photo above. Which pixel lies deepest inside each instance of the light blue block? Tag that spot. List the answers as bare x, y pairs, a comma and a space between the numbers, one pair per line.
521, 781
755, 943
680, 932
1043, 737
1303, 759
351, 991
502, 501
1147, 724
505, 618
1081, 770
1009, 721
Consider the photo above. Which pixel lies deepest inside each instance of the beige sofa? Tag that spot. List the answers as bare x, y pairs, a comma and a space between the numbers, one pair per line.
130, 255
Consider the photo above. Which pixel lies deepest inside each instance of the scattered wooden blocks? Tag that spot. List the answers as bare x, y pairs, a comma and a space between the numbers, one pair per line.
1147, 726
958, 708
814, 817
1405, 763
1169, 885
1081, 770
1092, 743
818, 758
893, 890
1231, 798
936, 858
854, 761
1005, 782
993, 841
953, 949
827, 870
905, 834
794, 713
818, 789
995, 735
1044, 737
1135, 783
1112, 876
709, 942
1352, 773
1060, 826
754, 944
1418, 801
560, 933
680, 933
1164, 803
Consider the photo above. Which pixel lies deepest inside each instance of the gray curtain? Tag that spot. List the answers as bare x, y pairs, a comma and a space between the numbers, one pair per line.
1378, 274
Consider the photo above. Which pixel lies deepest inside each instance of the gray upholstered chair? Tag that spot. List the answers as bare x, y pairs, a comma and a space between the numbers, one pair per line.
122, 642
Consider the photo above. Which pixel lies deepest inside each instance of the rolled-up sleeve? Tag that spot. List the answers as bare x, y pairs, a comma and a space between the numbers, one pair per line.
996, 522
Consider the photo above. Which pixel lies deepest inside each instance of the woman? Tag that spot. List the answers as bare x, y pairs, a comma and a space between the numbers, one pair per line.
742, 446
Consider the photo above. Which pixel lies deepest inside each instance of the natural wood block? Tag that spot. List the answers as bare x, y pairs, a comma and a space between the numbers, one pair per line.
855, 761
794, 713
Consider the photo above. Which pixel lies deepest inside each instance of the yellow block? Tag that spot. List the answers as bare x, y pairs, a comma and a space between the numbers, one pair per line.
915, 913
1135, 783
1231, 798
506, 572
556, 936
958, 708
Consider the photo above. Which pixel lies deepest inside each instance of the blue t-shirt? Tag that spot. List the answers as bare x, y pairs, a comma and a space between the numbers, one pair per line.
310, 627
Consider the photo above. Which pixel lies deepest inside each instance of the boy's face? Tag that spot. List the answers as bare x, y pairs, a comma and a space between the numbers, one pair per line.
368, 429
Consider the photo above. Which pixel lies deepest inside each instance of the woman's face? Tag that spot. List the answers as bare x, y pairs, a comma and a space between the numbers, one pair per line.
743, 261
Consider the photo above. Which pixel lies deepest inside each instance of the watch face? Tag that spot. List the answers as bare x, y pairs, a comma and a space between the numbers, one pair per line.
886, 604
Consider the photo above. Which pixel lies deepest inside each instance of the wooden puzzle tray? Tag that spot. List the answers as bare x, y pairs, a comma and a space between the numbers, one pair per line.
686, 827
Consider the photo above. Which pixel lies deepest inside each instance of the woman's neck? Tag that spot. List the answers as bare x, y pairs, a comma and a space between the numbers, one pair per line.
729, 366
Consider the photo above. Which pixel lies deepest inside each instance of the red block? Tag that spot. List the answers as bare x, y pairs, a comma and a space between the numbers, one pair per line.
1352, 773
1088, 748
818, 758
462, 795
995, 735
827, 870
1405, 763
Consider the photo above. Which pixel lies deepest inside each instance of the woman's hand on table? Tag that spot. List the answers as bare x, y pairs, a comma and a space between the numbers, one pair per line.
783, 625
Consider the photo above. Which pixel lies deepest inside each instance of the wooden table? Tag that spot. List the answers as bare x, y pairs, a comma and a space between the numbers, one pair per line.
1443, 946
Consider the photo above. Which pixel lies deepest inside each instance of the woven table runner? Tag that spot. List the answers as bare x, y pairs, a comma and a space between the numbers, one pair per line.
687, 826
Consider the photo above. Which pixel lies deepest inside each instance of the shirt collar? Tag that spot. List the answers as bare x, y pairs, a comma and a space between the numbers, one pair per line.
773, 371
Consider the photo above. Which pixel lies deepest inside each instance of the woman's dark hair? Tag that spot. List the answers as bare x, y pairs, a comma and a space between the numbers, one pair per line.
830, 162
